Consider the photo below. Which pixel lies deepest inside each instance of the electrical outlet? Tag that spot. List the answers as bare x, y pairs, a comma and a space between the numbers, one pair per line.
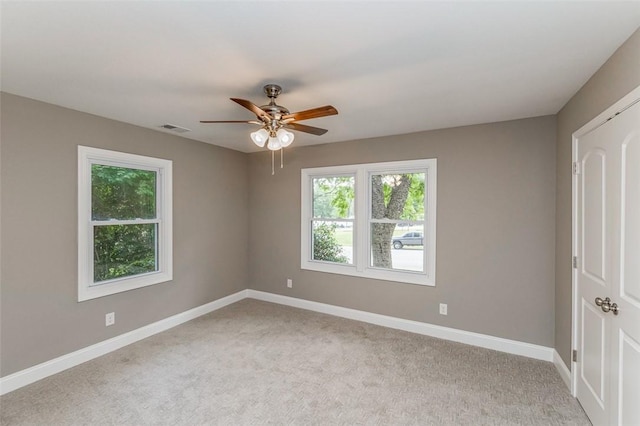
110, 319
443, 309
289, 283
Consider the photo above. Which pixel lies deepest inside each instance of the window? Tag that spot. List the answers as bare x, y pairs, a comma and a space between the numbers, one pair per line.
124, 222
371, 220
332, 205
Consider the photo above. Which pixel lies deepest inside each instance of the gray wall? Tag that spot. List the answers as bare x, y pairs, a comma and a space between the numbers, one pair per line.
41, 318
617, 77
495, 229
504, 224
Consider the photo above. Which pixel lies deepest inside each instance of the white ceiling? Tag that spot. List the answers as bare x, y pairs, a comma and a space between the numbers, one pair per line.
388, 67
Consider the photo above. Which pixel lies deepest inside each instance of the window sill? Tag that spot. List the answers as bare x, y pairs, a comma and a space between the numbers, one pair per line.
406, 277
88, 292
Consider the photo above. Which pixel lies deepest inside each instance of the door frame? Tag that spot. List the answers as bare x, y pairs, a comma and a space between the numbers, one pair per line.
624, 103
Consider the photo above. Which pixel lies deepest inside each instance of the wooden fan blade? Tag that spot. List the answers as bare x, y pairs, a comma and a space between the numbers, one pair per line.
311, 113
307, 129
254, 109
231, 121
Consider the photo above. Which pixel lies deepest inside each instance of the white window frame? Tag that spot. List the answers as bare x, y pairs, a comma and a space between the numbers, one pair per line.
362, 237
87, 156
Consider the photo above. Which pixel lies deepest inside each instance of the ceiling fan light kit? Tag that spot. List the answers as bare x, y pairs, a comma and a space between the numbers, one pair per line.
260, 137
274, 119
285, 138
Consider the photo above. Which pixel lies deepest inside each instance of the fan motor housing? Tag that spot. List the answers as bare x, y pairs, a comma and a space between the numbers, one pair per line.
274, 110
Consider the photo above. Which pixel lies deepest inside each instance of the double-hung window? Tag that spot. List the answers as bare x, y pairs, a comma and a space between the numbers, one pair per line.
124, 222
371, 220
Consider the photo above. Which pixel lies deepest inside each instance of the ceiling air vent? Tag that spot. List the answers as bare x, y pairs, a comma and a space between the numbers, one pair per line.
175, 128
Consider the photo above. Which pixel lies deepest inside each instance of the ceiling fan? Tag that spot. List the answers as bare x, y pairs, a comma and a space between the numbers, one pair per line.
274, 119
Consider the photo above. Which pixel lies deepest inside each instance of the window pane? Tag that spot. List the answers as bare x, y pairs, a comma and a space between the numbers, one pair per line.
122, 193
403, 250
333, 197
123, 251
398, 196
333, 241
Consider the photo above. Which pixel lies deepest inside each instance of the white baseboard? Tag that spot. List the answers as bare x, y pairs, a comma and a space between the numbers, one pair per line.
56, 365
482, 340
562, 369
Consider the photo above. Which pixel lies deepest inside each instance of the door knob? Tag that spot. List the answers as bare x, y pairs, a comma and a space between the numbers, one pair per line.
606, 305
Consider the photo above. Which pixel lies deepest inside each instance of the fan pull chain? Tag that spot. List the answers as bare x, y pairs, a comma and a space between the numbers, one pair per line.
281, 158
273, 170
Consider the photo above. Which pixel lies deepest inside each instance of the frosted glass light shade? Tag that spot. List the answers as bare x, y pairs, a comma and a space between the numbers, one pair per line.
274, 144
285, 138
260, 137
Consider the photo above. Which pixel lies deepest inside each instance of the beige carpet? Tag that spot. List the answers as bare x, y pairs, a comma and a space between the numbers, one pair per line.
256, 363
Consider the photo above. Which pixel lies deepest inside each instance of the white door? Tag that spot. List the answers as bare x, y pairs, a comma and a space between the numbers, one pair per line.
608, 270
